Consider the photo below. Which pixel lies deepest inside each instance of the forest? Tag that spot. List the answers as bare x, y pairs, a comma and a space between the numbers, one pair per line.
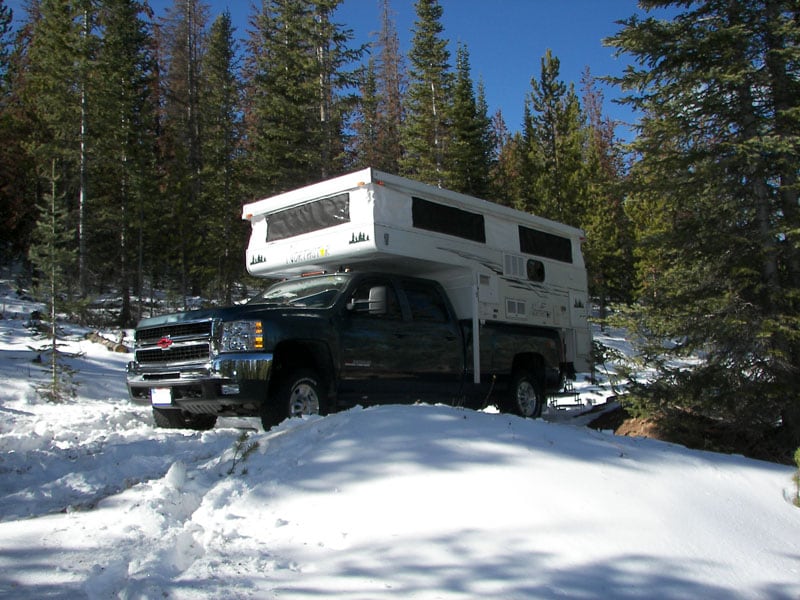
131, 142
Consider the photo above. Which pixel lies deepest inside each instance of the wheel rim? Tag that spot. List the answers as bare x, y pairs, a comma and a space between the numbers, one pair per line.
303, 400
526, 398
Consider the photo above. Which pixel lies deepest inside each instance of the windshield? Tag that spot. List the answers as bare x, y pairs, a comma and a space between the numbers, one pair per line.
310, 292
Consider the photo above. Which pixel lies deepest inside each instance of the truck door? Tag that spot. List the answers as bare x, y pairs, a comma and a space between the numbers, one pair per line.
436, 357
373, 351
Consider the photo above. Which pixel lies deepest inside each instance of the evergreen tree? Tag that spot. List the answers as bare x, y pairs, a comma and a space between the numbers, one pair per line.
425, 132
391, 83
470, 152
380, 121
220, 116
609, 242
366, 123
123, 142
282, 109
183, 43
296, 104
54, 95
554, 131
17, 173
504, 173
52, 256
717, 86
336, 82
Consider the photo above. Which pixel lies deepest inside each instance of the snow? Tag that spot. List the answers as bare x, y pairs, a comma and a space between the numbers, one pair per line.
411, 501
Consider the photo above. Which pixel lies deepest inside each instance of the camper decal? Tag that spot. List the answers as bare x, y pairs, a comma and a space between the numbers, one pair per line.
306, 255
257, 259
357, 239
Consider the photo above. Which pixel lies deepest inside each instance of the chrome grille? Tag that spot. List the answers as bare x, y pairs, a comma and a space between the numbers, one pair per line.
192, 353
189, 343
151, 335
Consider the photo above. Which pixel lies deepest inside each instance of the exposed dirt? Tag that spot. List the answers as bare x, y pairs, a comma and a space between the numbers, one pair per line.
702, 433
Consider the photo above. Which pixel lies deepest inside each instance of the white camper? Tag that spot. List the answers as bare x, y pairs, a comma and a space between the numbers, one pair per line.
496, 264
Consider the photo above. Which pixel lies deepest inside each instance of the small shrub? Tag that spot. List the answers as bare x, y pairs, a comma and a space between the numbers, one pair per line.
242, 449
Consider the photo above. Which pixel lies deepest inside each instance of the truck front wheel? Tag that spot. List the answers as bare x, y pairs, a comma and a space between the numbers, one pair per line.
526, 395
299, 393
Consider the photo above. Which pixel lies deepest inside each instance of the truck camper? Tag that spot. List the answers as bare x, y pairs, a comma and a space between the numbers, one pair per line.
389, 290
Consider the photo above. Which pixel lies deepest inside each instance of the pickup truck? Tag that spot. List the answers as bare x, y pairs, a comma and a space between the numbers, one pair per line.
317, 344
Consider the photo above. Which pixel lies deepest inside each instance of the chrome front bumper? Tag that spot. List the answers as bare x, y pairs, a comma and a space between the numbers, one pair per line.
233, 383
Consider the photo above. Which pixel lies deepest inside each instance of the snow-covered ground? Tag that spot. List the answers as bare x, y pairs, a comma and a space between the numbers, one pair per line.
398, 501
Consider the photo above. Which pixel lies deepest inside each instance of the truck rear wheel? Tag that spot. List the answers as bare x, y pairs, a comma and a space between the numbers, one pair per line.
299, 393
526, 395
175, 419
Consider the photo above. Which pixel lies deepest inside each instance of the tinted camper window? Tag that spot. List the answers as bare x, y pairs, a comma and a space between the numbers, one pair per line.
547, 245
448, 220
309, 217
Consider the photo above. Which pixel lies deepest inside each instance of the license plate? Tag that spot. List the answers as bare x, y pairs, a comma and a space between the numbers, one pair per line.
161, 396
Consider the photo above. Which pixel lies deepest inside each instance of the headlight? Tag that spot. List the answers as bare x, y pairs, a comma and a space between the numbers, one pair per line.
242, 336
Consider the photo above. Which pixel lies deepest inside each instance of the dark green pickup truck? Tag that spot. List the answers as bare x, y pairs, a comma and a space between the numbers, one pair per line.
322, 343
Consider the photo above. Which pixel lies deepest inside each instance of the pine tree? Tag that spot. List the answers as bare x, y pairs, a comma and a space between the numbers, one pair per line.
717, 86
52, 256
17, 173
183, 43
554, 132
336, 84
53, 94
503, 175
296, 100
425, 132
366, 123
470, 152
378, 126
609, 233
123, 143
221, 146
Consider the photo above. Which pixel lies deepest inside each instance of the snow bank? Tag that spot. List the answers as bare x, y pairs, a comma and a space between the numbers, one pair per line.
402, 501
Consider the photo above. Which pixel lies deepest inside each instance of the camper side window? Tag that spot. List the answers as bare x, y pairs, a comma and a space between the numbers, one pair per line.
548, 245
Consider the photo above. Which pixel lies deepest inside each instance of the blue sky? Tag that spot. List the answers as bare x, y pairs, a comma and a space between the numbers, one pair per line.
506, 39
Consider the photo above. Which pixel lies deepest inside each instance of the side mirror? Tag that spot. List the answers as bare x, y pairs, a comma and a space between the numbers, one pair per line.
377, 300
375, 305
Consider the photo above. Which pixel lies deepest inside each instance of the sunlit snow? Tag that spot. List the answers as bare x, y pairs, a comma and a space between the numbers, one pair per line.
398, 501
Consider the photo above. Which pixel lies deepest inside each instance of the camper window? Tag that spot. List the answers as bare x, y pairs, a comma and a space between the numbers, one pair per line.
547, 245
448, 220
313, 216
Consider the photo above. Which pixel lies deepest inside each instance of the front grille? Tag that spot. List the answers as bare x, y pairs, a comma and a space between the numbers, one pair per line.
185, 343
200, 329
192, 353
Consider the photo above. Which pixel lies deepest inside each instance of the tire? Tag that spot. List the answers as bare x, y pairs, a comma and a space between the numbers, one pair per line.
525, 395
299, 393
168, 418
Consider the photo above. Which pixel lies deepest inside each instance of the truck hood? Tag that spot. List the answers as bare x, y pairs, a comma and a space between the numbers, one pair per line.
228, 313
